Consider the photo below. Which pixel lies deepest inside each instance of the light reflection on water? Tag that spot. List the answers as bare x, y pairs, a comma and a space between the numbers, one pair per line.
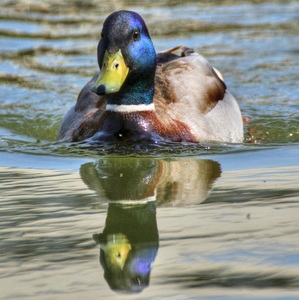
144, 215
210, 221
40, 226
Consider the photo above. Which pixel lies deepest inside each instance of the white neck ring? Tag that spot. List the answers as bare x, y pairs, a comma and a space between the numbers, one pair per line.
130, 107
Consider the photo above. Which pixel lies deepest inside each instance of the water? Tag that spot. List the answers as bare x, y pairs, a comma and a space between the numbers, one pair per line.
159, 221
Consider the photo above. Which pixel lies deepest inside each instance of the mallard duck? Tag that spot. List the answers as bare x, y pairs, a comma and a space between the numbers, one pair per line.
140, 95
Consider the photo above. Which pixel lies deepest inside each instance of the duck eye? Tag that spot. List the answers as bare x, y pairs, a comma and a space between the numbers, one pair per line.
136, 35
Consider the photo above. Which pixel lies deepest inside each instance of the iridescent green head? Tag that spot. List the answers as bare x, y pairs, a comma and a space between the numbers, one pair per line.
127, 60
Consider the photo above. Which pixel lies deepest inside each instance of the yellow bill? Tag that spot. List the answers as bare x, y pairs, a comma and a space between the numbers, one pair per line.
116, 250
112, 75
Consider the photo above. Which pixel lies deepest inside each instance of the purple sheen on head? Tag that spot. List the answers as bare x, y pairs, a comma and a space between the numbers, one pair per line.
141, 263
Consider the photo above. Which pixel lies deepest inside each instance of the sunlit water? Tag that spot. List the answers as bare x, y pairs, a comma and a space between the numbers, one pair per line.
149, 221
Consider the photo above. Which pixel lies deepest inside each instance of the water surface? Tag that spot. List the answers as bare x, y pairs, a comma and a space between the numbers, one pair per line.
149, 222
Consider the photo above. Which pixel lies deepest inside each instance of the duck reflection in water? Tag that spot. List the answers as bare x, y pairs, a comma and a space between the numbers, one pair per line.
133, 187
128, 246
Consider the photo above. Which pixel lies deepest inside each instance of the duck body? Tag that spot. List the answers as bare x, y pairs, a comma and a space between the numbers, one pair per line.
140, 95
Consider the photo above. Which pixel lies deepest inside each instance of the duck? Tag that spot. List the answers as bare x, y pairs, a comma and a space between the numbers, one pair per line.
139, 95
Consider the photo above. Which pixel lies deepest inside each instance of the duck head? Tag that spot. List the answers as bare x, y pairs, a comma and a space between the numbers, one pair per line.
127, 60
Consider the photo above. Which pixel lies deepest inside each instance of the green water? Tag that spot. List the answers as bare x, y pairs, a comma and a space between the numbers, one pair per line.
149, 222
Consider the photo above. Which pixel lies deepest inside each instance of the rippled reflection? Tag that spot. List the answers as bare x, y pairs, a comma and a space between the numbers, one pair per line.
133, 187
128, 246
169, 182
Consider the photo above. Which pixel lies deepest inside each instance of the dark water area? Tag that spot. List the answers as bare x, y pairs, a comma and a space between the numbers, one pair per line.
166, 221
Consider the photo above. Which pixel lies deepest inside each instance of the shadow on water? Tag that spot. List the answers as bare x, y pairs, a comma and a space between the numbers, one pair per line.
133, 187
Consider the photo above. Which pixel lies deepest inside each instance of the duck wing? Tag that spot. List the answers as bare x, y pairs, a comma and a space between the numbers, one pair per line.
82, 120
189, 89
